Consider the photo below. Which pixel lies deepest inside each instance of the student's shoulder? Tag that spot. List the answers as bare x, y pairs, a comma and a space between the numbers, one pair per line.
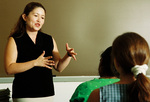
110, 80
94, 96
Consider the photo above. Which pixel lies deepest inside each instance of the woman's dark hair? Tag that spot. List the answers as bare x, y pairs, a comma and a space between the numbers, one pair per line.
20, 27
130, 49
105, 63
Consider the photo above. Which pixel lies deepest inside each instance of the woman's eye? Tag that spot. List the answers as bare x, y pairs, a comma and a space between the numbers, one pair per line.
43, 17
35, 15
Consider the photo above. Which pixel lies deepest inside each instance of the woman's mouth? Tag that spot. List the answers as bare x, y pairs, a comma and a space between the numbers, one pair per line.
37, 24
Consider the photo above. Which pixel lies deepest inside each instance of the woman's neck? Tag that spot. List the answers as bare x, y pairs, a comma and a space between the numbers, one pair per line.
32, 35
126, 79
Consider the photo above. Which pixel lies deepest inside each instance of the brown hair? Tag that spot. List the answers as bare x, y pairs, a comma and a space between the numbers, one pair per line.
20, 26
104, 68
130, 49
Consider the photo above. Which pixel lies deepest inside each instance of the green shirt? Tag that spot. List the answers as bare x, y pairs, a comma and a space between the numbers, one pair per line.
84, 90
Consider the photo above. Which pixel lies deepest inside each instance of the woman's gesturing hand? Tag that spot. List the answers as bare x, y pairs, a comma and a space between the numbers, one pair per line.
70, 51
44, 61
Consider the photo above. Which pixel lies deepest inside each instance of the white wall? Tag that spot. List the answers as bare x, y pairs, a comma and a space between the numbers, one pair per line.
63, 90
64, 85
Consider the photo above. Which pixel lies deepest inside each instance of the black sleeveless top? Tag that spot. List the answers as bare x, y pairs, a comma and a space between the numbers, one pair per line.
37, 81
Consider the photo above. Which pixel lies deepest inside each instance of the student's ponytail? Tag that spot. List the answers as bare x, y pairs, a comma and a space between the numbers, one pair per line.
140, 89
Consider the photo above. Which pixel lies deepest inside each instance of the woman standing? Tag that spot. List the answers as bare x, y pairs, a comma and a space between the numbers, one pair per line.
30, 55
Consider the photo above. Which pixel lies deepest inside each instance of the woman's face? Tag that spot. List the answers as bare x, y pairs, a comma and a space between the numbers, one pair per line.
35, 19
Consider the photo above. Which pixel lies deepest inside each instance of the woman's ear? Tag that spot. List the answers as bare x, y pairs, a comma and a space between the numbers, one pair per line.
24, 17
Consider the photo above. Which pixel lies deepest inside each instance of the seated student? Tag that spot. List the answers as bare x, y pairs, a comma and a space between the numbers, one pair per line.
131, 55
83, 91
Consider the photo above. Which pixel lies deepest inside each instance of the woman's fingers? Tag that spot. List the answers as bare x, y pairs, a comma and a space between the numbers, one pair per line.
48, 67
70, 51
74, 57
42, 55
67, 47
49, 63
49, 57
45, 61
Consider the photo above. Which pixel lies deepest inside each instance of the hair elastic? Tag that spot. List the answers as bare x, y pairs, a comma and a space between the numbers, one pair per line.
137, 69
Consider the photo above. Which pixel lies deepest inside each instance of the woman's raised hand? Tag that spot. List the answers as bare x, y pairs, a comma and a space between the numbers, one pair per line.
70, 51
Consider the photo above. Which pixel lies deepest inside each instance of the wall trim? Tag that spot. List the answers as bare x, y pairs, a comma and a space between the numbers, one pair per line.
56, 79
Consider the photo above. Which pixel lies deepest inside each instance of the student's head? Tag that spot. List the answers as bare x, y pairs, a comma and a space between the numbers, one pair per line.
32, 11
105, 63
131, 50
